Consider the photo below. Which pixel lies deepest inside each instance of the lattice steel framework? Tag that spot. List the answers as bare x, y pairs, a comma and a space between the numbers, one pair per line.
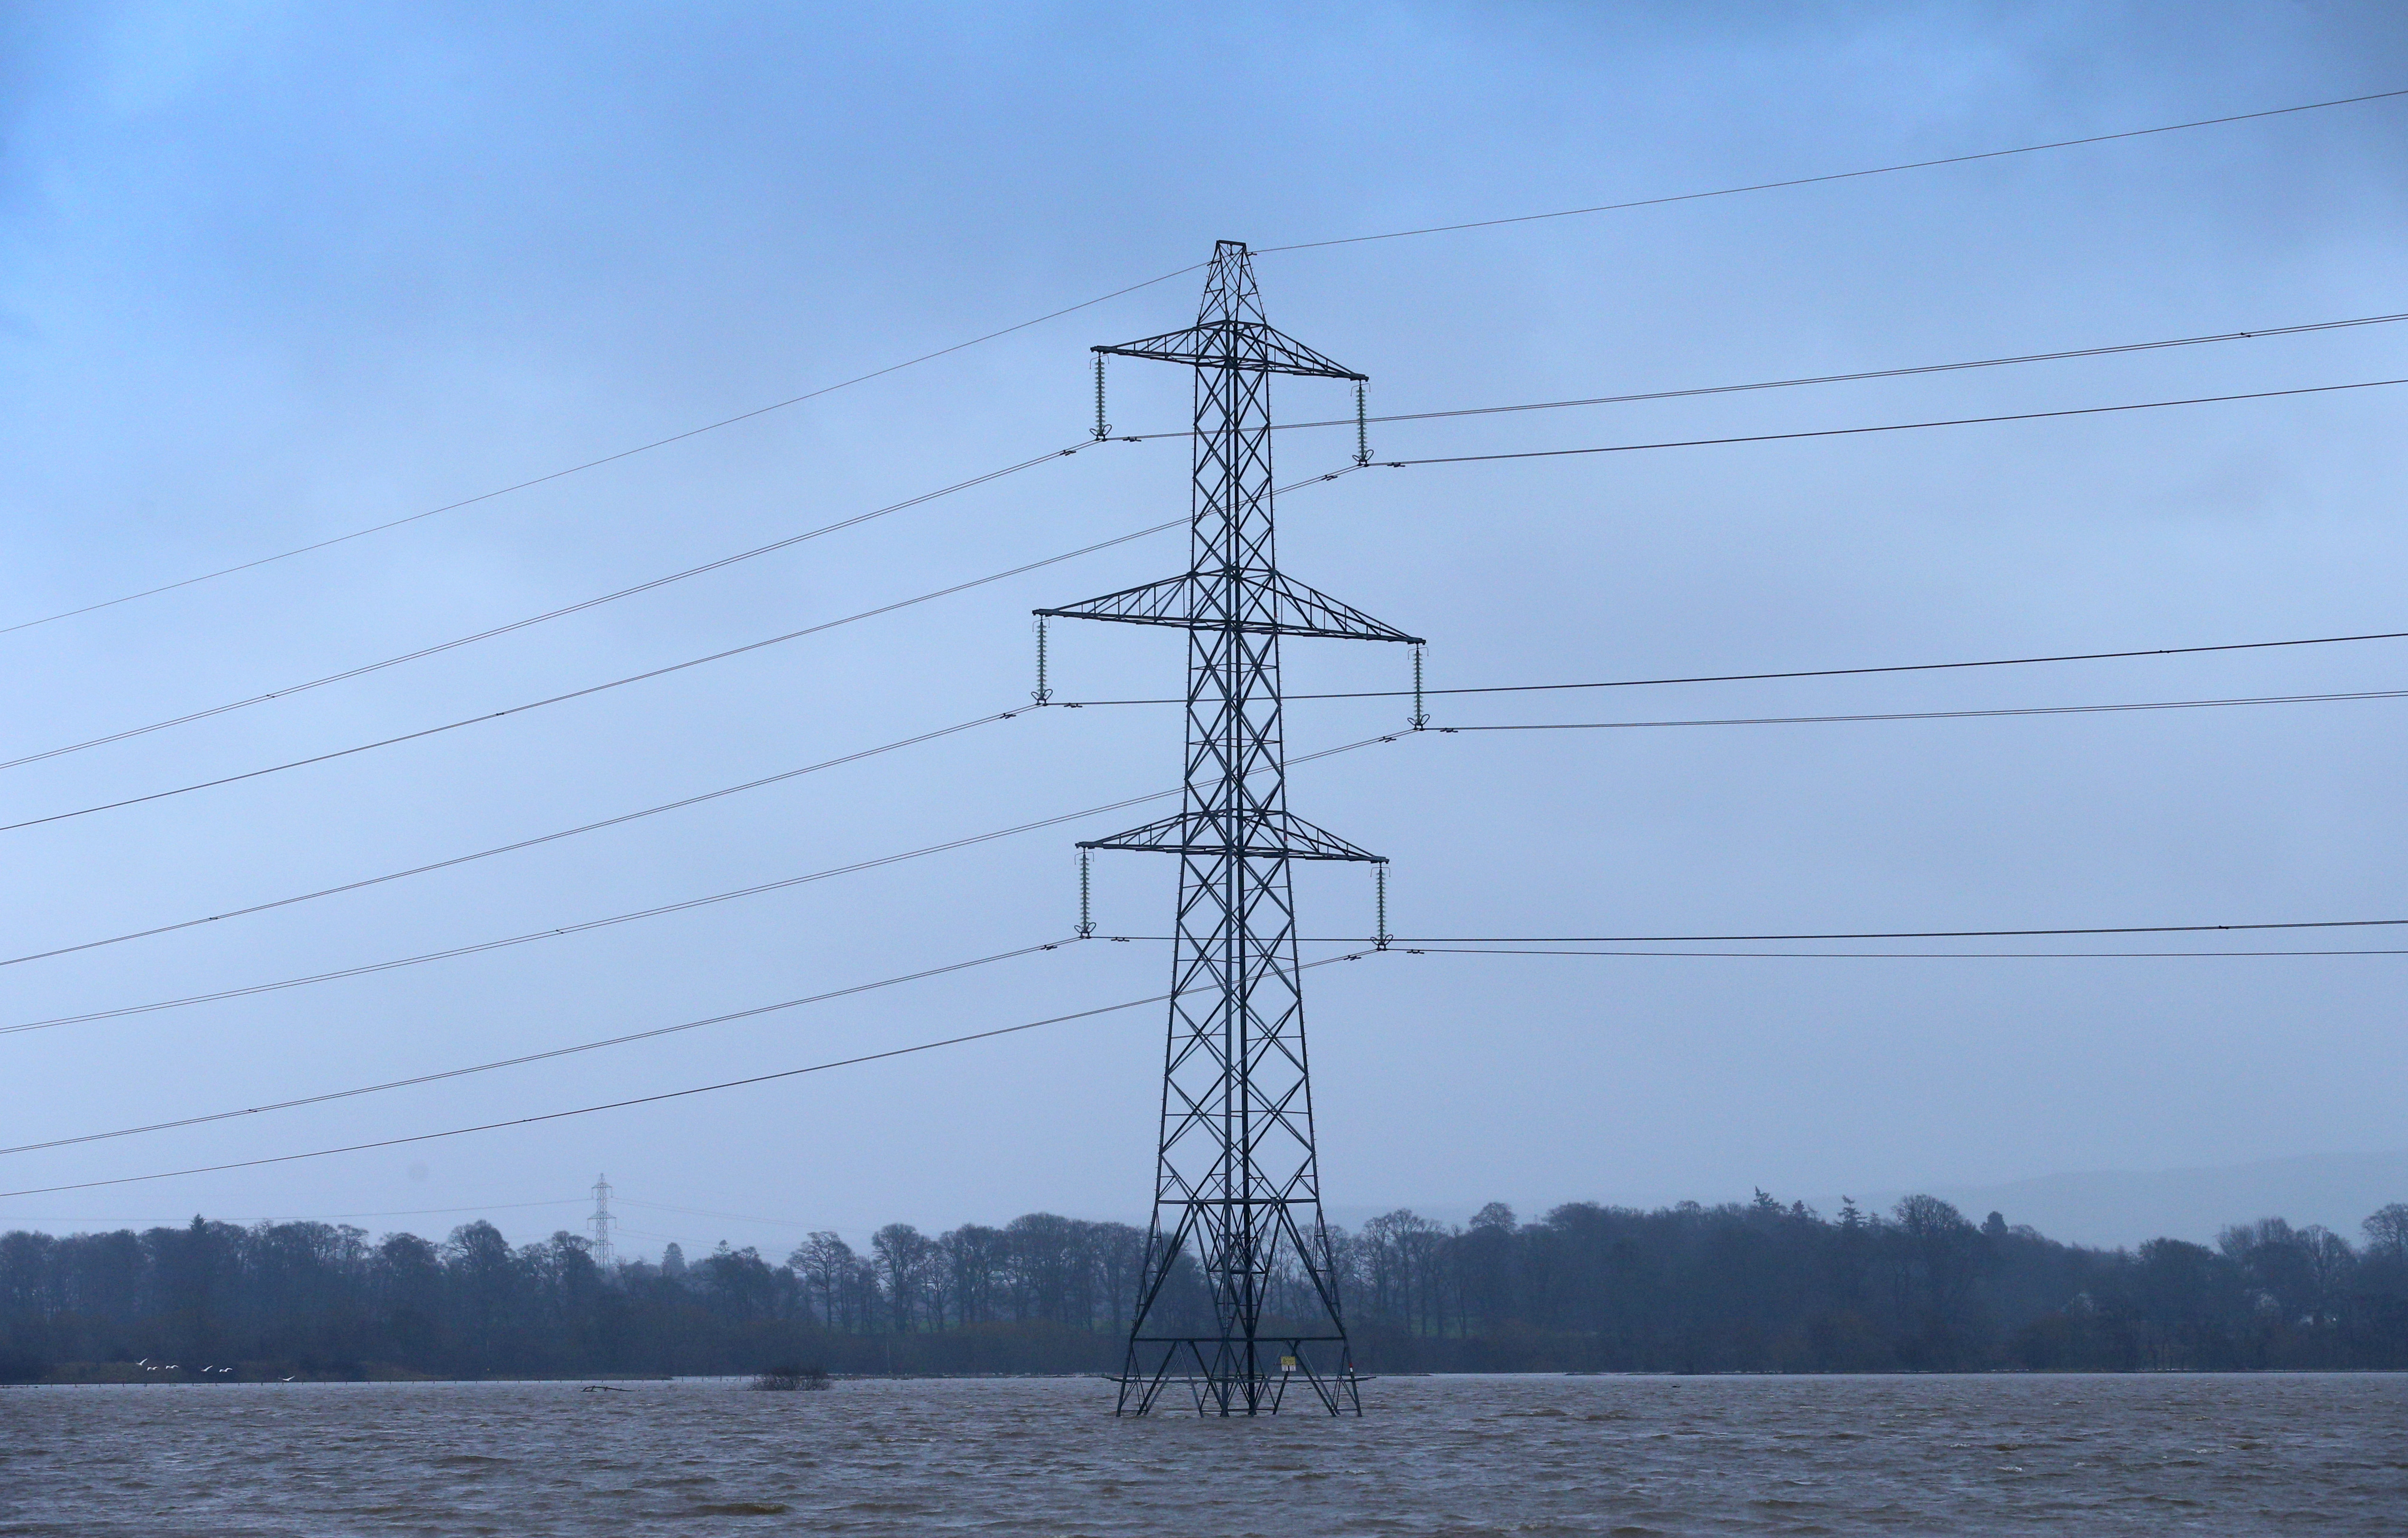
1236, 1184
604, 1254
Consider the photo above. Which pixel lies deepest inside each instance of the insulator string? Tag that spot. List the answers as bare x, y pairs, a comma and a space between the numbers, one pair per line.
1086, 894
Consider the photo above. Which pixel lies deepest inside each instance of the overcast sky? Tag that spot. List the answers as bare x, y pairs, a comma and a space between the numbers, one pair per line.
270, 274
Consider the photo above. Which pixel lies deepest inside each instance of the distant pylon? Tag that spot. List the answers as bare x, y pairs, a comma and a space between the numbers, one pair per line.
604, 1254
1238, 1182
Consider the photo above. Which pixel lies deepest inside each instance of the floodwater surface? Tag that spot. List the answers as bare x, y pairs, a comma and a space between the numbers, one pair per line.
2326, 1455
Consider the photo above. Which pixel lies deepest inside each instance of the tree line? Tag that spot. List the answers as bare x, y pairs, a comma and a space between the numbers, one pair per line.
1753, 1286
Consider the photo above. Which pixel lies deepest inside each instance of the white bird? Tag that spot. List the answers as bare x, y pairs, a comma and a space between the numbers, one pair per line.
144, 1362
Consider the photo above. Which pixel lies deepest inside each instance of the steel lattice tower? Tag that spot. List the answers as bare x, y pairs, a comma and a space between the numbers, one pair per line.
1236, 1184
604, 1254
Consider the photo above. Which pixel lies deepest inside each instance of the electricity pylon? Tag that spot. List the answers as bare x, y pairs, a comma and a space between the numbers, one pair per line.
1236, 1184
604, 1254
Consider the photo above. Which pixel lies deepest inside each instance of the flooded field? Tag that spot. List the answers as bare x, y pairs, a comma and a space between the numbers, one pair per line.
2325, 1454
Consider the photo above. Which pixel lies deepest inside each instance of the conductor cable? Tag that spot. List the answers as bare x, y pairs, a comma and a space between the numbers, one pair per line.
649, 673
598, 688
1812, 378
1132, 288
1907, 955
1838, 176
1930, 716
514, 847
593, 464
1889, 427
646, 586
540, 1057
642, 1100
481, 947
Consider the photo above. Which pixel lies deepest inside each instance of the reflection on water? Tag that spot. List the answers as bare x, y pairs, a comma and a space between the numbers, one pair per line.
2327, 1455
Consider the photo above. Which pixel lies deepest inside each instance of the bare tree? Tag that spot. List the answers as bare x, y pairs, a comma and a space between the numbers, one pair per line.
972, 1260
823, 1261
2387, 1231
904, 1255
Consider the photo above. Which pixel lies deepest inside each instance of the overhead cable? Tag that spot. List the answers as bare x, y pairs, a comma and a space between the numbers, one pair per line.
598, 688
1900, 956
646, 586
649, 673
640, 1099
1132, 288
562, 930
1927, 715
1816, 379
330, 1217
1163, 528
1886, 427
542, 1056
698, 1211
558, 931
1837, 175
1802, 672
1862, 934
595, 463
515, 846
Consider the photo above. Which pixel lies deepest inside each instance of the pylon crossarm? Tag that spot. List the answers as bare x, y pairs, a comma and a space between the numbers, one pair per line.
1251, 601
1246, 345
1263, 834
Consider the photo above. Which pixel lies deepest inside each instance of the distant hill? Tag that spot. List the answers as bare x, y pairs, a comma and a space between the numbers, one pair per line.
2122, 1207
2103, 1207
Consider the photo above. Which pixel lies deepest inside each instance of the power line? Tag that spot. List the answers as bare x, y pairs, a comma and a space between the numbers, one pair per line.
1929, 715
1831, 672
323, 1217
642, 1100
1862, 934
1887, 427
435, 1211
550, 838
1817, 379
1101, 298
560, 931
1397, 942
1397, 947
596, 688
482, 946
441, 647
514, 847
1834, 176
1051, 456
649, 673
1805, 672
1900, 956
731, 1217
591, 464
537, 1056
